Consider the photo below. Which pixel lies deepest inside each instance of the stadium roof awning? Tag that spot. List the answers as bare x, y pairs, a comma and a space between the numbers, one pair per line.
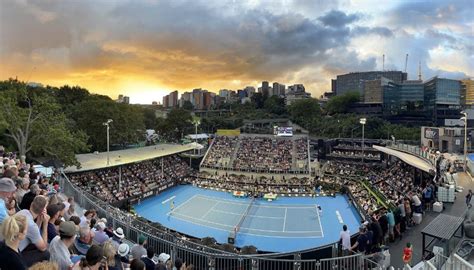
410, 159
94, 161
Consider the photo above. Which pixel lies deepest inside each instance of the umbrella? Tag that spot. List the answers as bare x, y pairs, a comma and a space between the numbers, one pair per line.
53, 163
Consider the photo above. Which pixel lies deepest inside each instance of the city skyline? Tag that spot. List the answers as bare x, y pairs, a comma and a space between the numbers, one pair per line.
147, 49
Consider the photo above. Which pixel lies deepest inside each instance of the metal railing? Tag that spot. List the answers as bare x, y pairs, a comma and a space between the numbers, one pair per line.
204, 257
413, 149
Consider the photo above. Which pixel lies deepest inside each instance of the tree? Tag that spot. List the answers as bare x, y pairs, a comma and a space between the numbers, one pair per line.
187, 105
341, 103
127, 126
258, 99
34, 121
275, 105
304, 111
175, 125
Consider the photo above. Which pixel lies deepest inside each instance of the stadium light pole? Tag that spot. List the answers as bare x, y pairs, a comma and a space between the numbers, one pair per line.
464, 118
363, 121
108, 139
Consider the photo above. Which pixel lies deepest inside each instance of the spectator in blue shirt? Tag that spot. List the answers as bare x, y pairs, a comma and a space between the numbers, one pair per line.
391, 224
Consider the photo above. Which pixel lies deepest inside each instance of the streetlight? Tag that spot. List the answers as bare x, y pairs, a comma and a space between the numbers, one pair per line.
108, 140
464, 118
363, 121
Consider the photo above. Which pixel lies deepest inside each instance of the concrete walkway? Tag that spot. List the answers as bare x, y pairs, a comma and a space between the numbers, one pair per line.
414, 236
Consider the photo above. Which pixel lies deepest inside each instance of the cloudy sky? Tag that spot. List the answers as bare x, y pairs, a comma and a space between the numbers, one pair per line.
144, 49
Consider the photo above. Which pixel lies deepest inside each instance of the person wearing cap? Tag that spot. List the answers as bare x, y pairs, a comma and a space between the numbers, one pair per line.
100, 236
165, 259
138, 250
59, 246
117, 237
7, 188
54, 211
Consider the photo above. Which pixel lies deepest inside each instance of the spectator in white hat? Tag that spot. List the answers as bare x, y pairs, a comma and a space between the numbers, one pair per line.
117, 237
165, 259
7, 188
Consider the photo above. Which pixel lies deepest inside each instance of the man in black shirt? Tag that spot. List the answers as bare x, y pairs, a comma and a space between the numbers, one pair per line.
362, 241
383, 221
29, 197
149, 263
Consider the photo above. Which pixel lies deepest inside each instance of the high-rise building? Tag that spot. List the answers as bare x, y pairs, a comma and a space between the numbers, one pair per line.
123, 99
173, 99
296, 92
355, 81
278, 89
250, 91
467, 93
265, 89
442, 99
165, 101
373, 91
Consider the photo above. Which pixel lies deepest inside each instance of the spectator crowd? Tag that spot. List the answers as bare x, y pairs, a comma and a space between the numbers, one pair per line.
117, 184
258, 154
40, 228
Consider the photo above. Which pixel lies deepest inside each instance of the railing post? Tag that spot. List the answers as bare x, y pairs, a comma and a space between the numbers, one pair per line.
211, 263
254, 264
297, 263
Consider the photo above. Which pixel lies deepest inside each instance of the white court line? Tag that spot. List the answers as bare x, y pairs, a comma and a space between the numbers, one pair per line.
210, 209
250, 229
304, 206
284, 220
259, 235
319, 220
179, 206
237, 214
167, 200
339, 217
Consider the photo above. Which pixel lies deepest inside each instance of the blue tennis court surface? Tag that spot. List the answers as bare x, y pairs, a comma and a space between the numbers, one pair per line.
287, 224
471, 157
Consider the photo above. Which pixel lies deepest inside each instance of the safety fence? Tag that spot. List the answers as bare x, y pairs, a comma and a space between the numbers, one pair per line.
208, 258
413, 149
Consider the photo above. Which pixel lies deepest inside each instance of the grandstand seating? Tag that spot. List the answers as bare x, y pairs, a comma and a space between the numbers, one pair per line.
258, 154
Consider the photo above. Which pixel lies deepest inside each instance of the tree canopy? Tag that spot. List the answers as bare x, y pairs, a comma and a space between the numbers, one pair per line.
341, 103
35, 123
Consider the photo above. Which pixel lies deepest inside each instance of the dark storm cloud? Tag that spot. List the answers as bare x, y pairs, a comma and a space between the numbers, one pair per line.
336, 18
381, 31
189, 43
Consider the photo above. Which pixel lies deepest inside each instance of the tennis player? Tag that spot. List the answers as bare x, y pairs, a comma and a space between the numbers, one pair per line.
172, 205
320, 210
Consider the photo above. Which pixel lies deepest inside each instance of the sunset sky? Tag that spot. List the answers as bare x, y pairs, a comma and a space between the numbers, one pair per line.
144, 49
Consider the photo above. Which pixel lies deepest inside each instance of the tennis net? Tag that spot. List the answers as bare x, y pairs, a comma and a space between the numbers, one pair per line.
237, 227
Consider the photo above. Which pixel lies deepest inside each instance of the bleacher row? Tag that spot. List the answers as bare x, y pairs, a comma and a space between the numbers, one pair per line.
135, 179
258, 154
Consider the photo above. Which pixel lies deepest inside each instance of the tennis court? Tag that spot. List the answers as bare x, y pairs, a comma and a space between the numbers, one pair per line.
251, 217
283, 225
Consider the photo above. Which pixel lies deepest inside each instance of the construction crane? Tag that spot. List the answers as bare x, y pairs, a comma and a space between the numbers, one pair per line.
383, 62
406, 63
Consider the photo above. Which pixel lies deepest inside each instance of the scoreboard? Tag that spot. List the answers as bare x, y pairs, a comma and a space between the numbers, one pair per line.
283, 131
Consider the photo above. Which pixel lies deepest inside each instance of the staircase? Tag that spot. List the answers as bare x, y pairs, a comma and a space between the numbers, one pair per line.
234, 155
293, 156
